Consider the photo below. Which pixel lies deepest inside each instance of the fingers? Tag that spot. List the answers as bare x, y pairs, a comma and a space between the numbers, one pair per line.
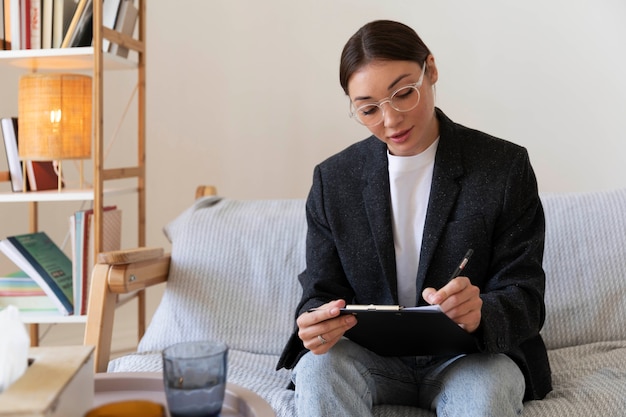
456, 288
459, 300
319, 330
323, 336
323, 312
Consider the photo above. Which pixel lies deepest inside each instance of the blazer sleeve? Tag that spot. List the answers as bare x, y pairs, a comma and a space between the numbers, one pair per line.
513, 309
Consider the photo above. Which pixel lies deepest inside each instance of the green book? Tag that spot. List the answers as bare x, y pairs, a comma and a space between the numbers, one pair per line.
42, 260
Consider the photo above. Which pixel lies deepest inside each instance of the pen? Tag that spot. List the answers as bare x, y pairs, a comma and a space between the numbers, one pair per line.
464, 262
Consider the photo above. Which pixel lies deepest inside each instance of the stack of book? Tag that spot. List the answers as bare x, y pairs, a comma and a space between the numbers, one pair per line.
41, 175
21, 291
49, 279
35, 24
82, 237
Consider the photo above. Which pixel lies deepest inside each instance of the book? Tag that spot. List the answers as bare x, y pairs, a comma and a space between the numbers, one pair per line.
62, 13
80, 27
41, 175
38, 256
46, 23
7, 23
34, 23
24, 17
21, 291
125, 23
14, 18
9, 134
110, 9
2, 43
82, 238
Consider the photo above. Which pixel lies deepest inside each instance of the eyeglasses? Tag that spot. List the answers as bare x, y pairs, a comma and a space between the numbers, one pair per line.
403, 99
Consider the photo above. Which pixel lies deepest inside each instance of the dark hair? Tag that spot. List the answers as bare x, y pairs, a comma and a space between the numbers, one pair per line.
380, 39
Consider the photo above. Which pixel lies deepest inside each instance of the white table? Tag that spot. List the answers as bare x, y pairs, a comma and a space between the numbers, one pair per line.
120, 386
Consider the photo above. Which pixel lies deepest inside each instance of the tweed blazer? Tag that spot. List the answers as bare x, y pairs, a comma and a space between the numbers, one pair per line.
483, 196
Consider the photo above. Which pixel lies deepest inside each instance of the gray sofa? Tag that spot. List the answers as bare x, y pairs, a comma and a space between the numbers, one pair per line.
232, 276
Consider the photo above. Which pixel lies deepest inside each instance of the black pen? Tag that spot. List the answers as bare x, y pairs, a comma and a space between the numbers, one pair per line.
464, 262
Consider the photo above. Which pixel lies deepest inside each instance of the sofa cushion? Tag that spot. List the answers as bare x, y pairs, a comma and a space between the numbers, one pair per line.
585, 260
233, 263
585, 298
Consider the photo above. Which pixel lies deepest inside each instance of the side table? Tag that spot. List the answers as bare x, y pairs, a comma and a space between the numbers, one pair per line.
122, 386
56, 384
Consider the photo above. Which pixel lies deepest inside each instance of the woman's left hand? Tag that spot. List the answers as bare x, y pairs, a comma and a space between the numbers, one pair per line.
459, 300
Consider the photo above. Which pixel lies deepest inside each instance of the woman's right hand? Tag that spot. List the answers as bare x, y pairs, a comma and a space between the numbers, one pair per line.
320, 329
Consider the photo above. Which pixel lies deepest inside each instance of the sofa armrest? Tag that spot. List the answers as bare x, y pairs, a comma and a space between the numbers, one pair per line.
119, 272
127, 256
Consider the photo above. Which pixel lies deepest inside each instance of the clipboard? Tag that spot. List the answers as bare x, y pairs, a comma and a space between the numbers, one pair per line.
412, 331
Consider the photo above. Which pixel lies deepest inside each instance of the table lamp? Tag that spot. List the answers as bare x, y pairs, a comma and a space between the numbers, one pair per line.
54, 118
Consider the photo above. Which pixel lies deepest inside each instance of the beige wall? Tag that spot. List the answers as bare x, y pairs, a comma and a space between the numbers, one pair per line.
243, 94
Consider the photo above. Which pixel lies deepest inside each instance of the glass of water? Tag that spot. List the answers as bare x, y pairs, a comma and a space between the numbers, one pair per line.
194, 375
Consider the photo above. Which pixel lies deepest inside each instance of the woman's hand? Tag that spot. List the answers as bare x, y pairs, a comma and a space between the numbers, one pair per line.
319, 330
459, 300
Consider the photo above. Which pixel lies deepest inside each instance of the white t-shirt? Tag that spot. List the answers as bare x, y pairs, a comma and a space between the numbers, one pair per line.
410, 178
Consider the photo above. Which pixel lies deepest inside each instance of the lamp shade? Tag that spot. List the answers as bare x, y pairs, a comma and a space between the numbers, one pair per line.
54, 117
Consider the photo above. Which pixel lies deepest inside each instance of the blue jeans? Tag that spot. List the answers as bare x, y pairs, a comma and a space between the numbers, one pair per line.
349, 380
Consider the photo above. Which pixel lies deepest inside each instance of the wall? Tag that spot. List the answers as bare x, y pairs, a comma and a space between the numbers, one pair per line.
245, 94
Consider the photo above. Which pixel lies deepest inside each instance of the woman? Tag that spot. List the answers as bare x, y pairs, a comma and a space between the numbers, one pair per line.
388, 220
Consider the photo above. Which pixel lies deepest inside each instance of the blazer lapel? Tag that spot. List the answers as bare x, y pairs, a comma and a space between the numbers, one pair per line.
444, 191
378, 209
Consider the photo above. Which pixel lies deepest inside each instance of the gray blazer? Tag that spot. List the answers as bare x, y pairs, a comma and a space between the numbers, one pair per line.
483, 196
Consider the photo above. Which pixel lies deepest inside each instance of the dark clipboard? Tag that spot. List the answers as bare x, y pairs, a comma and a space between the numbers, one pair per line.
397, 331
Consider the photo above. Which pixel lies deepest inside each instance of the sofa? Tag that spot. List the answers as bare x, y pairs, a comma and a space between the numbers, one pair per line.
232, 275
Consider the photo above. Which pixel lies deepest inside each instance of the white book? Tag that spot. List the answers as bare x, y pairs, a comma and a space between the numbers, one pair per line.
46, 24
125, 23
16, 33
110, 9
9, 133
62, 13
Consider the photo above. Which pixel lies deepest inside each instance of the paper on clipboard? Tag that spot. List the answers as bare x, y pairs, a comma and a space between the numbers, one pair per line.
412, 331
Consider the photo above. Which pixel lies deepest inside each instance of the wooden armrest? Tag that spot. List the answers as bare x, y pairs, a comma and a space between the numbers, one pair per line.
128, 256
205, 191
141, 268
129, 277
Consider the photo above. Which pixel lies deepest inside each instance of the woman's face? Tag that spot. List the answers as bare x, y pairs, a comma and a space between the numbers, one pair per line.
405, 133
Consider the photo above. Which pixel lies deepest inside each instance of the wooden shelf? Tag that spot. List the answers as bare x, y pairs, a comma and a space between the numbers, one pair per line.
94, 62
46, 317
86, 194
62, 59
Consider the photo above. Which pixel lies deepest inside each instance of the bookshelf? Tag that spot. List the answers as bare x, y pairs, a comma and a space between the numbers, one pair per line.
95, 62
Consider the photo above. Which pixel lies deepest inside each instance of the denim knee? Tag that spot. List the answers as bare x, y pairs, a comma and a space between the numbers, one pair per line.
481, 384
332, 383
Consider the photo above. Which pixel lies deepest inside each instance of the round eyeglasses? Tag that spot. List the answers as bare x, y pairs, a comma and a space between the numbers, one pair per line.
403, 99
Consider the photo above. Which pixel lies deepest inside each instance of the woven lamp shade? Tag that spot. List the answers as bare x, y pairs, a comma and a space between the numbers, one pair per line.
54, 117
